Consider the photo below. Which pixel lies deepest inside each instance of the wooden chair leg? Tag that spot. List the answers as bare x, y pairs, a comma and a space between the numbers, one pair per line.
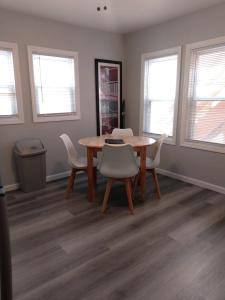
95, 176
106, 196
129, 195
135, 183
155, 179
70, 182
139, 180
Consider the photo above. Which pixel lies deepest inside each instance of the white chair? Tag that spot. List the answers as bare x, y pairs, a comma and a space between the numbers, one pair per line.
76, 163
122, 132
153, 161
118, 163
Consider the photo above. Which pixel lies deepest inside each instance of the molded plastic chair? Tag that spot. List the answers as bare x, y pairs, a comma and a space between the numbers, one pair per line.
122, 132
77, 163
118, 163
153, 161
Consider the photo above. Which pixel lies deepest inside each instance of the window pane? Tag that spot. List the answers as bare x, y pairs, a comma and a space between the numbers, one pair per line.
206, 95
210, 74
8, 101
159, 117
160, 82
160, 78
54, 84
208, 121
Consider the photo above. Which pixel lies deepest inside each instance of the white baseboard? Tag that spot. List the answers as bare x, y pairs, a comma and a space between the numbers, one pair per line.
49, 178
57, 176
193, 181
11, 187
203, 184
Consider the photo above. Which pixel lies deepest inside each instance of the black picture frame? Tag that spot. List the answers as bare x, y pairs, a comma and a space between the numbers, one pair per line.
103, 103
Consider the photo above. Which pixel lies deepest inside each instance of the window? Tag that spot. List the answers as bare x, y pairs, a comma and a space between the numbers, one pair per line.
11, 111
160, 87
54, 84
204, 96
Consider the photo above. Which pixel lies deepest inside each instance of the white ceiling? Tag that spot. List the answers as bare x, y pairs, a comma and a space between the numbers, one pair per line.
122, 16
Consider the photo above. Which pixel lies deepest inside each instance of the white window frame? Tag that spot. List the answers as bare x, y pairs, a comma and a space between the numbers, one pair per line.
19, 118
158, 54
208, 146
54, 52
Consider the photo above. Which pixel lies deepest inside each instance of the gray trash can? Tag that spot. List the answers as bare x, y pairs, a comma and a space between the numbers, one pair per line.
31, 164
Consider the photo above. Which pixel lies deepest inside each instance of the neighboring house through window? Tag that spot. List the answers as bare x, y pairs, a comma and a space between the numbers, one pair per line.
204, 96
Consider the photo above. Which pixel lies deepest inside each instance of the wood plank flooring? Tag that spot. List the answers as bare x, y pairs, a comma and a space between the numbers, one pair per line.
172, 249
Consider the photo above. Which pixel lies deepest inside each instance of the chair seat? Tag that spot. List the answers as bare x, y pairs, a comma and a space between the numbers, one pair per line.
81, 163
149, 163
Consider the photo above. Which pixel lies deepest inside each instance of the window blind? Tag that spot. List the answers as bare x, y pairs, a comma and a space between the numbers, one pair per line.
8, 101
160, 81
206, 95
54, 81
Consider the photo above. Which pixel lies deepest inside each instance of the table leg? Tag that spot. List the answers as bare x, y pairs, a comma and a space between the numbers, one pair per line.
90, 174
142, 172
95, 170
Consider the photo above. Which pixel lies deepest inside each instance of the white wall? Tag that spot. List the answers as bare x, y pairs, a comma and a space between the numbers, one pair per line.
210, 23
90, 44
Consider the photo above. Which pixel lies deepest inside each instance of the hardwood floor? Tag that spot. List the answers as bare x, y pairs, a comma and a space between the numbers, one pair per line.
172, 249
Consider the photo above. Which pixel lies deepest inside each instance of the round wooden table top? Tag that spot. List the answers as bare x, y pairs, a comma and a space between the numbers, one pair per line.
99, 141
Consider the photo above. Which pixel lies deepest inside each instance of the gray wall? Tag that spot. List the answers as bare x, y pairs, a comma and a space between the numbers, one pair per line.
90, 44
210, 23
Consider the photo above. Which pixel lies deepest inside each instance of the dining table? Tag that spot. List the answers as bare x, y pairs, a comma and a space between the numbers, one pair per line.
95, 144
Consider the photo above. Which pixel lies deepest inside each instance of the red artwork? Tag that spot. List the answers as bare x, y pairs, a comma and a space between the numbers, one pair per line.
109, 97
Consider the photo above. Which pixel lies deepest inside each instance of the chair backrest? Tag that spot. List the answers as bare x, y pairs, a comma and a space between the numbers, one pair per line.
118, 161
156, 150
71, 151
122, 132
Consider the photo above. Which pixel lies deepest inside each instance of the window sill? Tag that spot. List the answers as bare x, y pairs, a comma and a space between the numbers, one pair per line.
11, 121
41, 119
204, 146
169, 140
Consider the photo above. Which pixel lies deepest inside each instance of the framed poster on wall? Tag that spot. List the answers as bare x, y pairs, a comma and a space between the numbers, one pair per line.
108, 78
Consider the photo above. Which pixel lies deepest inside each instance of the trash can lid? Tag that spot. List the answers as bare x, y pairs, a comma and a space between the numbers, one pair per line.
29, 147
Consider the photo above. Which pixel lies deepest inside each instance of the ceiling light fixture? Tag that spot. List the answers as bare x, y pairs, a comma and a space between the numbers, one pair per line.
99, 8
